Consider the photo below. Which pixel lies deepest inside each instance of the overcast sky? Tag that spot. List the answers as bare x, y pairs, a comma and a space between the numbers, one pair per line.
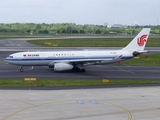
129, 12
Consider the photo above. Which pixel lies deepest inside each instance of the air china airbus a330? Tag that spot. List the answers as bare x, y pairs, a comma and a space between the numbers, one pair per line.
77, 60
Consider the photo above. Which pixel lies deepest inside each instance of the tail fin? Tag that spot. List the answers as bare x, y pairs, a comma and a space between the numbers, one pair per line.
139, 42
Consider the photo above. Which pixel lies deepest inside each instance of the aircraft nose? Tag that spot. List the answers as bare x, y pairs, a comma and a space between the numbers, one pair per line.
7, 59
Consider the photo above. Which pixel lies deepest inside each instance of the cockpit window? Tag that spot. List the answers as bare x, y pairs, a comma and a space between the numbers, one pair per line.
10, 56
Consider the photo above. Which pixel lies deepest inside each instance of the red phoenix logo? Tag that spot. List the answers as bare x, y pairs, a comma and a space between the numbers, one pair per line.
141, 40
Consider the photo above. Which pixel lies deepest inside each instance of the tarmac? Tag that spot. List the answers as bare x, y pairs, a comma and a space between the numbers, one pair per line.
129, 103
92, 73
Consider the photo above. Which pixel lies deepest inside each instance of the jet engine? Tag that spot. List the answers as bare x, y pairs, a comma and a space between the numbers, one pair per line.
135, 53
62, 66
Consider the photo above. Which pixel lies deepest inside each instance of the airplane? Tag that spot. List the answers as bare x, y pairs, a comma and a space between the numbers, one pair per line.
77, 60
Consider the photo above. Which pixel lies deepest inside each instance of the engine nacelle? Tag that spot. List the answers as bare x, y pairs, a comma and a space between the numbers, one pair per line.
135, 53
62, 66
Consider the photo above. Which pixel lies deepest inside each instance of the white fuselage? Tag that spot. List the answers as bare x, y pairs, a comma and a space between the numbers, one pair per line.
49, 58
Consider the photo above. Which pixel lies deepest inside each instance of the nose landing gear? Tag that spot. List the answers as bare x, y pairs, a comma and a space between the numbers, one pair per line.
21, 69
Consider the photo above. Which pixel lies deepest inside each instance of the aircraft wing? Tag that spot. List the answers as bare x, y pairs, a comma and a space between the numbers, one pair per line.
88, 61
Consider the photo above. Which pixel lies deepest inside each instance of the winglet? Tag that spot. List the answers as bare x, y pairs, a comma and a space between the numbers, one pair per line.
139, 42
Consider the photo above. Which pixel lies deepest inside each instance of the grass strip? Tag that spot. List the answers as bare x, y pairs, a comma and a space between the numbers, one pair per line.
60, 82
91, 42
143, 60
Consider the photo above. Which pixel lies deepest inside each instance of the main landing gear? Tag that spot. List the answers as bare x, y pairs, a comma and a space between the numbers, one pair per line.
77, 69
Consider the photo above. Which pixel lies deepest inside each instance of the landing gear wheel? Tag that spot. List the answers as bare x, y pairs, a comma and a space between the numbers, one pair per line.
80, 70
21, 69
77, 69
83, 70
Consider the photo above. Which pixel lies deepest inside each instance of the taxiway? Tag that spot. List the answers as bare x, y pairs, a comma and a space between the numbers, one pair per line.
92, 72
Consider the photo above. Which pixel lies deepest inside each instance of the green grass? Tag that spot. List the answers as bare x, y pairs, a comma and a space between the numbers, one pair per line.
92, 42
60, 82
144, 60
22, 35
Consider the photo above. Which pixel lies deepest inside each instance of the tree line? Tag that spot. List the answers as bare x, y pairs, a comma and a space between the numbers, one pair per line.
72, 28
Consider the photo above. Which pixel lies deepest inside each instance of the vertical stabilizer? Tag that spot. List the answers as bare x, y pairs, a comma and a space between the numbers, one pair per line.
139, 42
